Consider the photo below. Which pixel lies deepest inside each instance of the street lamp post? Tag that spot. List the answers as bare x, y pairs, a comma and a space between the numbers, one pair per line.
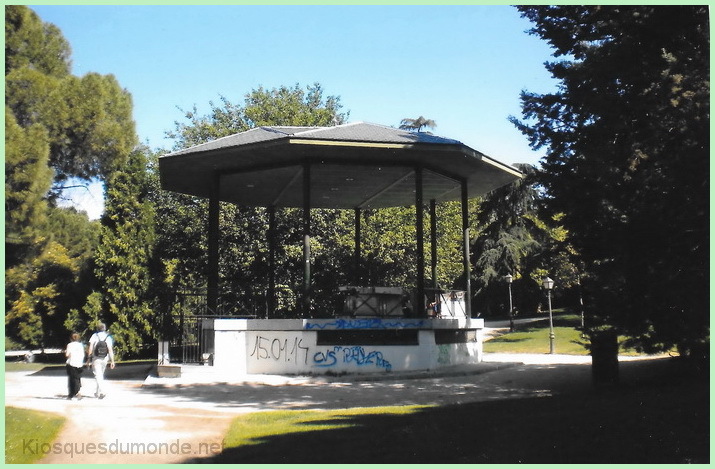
548, 285
509, 279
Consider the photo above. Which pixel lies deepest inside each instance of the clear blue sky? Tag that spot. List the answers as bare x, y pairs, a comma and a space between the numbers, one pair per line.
462, 66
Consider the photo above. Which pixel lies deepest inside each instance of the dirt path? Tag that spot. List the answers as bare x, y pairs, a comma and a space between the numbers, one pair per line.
129, 426
142, 434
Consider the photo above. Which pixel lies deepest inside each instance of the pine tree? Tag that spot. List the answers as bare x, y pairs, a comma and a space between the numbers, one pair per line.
123, 258
27, 180
57, 127
627, 140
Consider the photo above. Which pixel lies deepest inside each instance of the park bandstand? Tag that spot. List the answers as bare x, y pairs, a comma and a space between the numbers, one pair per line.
354, 166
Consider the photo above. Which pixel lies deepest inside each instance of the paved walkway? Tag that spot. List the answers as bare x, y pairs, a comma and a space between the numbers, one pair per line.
188, 416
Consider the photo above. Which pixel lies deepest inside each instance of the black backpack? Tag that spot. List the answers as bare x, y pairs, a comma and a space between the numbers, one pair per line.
101, 349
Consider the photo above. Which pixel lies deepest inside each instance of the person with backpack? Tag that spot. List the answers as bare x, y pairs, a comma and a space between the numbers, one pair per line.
100, 354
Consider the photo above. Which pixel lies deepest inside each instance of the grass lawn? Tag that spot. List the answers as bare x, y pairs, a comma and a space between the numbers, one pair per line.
534, 338
257, 428
25, 432
24, 366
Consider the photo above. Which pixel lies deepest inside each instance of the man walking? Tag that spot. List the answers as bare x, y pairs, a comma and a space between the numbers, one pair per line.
100, 353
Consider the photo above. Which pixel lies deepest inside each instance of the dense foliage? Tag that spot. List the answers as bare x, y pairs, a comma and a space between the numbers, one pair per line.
123, 260
627, 142
58, 128
288, 106
88, 119
518, 237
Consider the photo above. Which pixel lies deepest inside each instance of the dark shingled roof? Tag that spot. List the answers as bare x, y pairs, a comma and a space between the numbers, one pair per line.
356, 132
352, 165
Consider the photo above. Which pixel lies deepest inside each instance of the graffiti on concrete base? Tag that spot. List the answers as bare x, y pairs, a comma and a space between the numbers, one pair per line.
280, 349
444, 358
351, 355
368, 323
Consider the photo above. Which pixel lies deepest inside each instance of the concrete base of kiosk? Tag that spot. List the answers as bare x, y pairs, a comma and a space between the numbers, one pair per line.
343, 345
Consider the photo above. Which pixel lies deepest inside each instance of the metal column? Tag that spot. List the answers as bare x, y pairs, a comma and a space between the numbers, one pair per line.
465, 251
271, 303
433, 239
420, 309
358, 253
213, 239
306, 240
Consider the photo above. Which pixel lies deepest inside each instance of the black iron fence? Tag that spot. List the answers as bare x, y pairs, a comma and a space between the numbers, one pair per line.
194, 344
188, 322
189, 325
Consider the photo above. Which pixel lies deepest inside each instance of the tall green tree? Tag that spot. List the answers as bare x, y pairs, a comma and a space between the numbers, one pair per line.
88, 119
627, 142
289, 106
513, 239
29, 42
91, 128
293, 106
123, 259
59, 128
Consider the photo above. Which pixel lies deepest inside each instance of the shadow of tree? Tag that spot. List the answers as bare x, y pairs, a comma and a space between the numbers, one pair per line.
653, 423
344, 394
509, 340
131, 371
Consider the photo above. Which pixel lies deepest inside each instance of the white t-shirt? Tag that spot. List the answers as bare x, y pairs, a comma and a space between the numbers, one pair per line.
96, 337
75, 351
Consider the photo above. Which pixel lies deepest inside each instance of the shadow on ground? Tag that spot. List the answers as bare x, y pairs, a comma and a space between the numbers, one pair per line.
497, 381
659, 416
128, 371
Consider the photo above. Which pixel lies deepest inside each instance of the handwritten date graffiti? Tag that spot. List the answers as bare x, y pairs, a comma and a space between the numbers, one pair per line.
280, 349
356, 355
